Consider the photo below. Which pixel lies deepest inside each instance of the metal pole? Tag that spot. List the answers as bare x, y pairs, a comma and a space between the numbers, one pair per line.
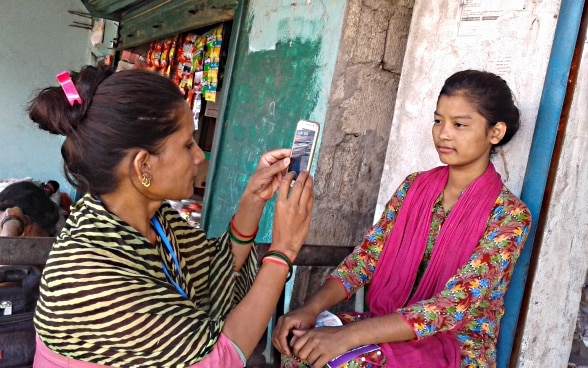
539, 162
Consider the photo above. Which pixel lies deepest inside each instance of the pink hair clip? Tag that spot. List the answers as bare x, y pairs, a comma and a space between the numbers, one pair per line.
69, 88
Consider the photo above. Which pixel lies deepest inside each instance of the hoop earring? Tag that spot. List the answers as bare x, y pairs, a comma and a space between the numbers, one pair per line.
145, 181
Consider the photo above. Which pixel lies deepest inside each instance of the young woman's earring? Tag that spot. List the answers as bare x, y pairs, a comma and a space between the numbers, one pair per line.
145, 181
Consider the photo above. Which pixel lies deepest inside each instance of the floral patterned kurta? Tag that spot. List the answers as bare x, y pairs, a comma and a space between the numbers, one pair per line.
471, 304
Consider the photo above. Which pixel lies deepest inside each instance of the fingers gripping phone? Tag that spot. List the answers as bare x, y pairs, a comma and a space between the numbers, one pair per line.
303, 146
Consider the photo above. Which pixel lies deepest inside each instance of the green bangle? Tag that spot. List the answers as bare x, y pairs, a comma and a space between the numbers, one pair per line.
237, 240
283, 257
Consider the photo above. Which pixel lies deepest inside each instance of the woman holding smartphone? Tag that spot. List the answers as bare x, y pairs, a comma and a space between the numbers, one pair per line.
439, 260
128, 282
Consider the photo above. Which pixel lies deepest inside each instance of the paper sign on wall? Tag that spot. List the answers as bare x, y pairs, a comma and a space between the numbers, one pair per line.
478, 17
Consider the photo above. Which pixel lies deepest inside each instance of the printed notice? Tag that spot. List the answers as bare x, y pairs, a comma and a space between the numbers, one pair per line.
211, 109
479, 16
503, 65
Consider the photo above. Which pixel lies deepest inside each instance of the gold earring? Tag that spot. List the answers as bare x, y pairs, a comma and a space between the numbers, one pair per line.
145, 181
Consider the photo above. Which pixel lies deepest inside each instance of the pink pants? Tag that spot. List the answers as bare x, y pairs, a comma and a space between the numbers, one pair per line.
223, 355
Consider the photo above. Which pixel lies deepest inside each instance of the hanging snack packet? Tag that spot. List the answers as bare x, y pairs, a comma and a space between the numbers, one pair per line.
214, 39
156, 55
184, 66
167, 55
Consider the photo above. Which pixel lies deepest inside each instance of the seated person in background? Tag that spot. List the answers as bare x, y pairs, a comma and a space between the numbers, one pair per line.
25, 210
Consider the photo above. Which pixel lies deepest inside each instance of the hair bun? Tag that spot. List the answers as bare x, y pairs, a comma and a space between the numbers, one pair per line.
51, 110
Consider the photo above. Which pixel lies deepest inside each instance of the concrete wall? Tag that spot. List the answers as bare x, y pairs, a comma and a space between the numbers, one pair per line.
335, 62
516, 46
563, 259
284, 62
358, 119
36, 43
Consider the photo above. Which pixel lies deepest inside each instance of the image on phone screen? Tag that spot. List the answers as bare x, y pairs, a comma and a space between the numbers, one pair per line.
302, 149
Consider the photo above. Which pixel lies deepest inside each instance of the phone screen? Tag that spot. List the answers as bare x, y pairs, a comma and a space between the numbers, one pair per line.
302, 149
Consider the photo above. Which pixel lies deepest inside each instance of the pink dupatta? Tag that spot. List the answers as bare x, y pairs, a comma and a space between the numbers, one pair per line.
397, 267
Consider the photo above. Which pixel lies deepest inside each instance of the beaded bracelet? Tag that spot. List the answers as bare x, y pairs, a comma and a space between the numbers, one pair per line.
237, 233
275, 255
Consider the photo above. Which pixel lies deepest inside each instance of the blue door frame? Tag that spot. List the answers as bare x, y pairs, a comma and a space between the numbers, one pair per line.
542, 146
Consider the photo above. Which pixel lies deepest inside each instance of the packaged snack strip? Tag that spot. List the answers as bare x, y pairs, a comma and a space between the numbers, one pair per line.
184, 66
167, 55
175, 73
213, 46
197, 106
212, 63
190, 45
210, 85
156, 55
197, 94
198, 57
149, 60
190, 97
197, 81
163, 57
172, 60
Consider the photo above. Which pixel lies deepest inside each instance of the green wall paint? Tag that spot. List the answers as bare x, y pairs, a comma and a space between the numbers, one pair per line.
282, 72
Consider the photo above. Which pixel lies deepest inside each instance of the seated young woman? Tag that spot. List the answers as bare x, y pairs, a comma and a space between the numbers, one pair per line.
440, 258
129, 283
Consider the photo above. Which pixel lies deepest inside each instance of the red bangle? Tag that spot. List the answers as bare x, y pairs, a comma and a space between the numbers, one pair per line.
276, 261
237, 233
276, 256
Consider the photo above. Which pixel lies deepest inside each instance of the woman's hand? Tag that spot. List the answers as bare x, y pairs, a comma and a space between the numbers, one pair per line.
294, 208
318, 346
292, 214
13, 222
299, 319
270, 171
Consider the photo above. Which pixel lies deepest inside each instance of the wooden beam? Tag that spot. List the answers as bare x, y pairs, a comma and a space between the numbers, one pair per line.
20, 251
315, 255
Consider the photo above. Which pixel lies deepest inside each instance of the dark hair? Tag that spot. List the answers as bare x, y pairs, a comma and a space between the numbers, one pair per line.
33, 203
491, 96
120, 111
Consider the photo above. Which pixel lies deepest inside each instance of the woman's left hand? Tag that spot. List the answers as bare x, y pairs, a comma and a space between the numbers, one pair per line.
270, 170
317, 346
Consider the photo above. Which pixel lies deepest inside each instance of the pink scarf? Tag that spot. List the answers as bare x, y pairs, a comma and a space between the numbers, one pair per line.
403, 252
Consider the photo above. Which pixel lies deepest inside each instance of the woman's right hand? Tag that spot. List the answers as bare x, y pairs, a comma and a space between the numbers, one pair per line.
293, 213
298, 319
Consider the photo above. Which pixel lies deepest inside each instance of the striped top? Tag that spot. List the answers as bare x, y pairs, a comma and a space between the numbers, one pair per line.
105, 299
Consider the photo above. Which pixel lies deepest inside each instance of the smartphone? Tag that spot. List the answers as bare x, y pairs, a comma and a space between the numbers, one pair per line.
303, 146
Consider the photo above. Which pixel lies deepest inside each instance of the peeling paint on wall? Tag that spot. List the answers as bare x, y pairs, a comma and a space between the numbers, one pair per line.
283, 71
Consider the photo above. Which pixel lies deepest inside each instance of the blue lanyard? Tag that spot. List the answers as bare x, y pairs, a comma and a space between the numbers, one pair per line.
165, 240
